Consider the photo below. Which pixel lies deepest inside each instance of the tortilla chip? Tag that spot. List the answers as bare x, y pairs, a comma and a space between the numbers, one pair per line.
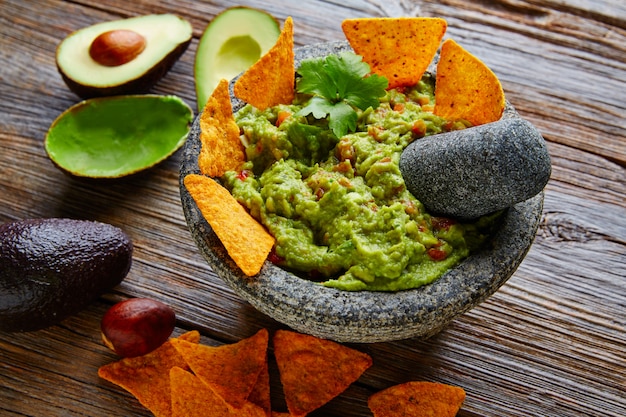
230, 370
221, 148
466, 88
417, 398
193, 398
147, 377
192, 336
270, 80
260, 394
245, 239
313, 371
400, 49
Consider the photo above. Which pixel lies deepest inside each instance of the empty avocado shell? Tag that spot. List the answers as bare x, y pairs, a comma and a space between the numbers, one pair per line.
111, 137
125, 56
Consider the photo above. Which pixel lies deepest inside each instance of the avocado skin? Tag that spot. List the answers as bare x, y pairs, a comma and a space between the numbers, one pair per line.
142, 84
53, 268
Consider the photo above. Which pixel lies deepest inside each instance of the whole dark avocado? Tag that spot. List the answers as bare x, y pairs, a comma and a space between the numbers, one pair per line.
53, 268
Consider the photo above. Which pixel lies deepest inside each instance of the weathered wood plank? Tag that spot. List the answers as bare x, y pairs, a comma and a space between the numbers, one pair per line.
550, 342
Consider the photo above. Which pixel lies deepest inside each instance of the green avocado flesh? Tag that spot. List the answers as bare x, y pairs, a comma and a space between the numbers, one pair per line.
115, 136
167, 37
231, 43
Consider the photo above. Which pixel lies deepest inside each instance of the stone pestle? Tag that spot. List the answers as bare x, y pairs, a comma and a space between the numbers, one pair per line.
469, 173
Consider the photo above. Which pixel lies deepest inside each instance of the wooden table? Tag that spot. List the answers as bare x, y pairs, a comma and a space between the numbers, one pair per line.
551, 342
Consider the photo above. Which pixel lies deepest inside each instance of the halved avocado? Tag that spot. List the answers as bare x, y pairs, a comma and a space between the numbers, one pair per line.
166, 37
233, 41
111, 137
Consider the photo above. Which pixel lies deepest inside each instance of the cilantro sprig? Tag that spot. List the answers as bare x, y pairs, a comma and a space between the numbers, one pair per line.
339, 85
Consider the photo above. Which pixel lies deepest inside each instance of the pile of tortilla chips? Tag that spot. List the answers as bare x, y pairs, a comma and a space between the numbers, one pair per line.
184, 378
399, 49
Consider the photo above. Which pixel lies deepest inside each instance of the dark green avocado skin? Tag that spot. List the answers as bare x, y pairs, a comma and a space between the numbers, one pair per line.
53, 268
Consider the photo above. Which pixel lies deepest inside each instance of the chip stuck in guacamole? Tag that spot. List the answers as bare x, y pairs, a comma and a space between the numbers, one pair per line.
233, 41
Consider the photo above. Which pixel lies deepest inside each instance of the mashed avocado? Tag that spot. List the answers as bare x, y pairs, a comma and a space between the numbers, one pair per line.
338, 207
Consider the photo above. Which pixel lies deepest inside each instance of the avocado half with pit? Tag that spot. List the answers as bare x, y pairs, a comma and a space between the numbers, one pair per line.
111, 137
233, 41
125, 56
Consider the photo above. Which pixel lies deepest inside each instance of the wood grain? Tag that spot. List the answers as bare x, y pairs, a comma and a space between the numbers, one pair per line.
549, 343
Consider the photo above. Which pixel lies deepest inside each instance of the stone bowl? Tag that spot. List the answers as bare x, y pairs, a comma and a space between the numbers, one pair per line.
364, 317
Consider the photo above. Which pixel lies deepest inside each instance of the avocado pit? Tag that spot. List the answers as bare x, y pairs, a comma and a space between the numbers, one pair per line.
137, 326
117, 47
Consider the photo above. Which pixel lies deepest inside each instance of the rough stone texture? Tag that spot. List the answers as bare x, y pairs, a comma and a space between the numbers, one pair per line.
476, 171
365, 317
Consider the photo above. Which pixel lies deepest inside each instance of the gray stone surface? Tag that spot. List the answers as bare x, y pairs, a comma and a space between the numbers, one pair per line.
476, 171
366, 317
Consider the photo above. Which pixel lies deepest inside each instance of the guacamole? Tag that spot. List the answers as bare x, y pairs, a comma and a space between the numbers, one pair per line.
338, 207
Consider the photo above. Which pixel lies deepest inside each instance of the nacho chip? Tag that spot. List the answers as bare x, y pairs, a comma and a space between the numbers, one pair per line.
245, 239
400, 48
260, 394
313, 371
221, 149
270, 80
147, 377
466, 88
417, 398
193, 398
230, 370
192, 336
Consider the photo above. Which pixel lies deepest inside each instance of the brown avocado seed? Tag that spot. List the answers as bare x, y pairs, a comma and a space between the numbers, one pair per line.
137, 326
116, 47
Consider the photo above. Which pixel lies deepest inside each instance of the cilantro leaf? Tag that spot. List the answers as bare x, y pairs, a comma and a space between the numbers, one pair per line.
342, 119
339, 85
318, 106
346, 71
314, 80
